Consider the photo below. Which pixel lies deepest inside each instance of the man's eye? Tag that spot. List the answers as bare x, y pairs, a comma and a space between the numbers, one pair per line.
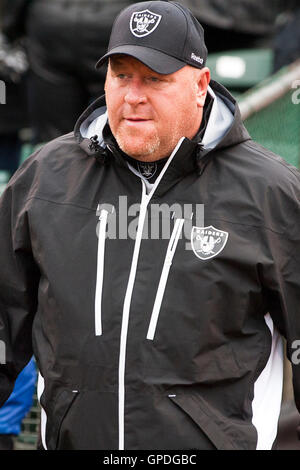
154, 79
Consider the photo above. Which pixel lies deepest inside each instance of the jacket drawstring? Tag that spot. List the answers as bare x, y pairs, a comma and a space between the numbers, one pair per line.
100, 271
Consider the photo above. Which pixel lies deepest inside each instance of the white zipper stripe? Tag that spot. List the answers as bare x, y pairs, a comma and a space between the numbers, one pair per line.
164, 277
125, 318
40, 389
100, 271
126, 307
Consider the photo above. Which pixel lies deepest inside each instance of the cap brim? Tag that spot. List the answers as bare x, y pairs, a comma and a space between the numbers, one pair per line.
155, 60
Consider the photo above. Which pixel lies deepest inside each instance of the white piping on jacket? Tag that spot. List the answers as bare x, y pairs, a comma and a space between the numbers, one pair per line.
125, 317
40, 389
100, 271
268, 392
164, 277
126, 307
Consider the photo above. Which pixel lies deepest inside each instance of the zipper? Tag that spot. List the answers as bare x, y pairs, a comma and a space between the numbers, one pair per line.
164, 277
125, 316
100, 270
127, 301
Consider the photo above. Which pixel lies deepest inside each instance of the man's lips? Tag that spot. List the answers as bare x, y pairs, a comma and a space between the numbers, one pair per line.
136, 119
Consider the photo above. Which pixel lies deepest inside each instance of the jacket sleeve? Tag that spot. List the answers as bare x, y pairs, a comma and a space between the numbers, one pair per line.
19, 278
281, 269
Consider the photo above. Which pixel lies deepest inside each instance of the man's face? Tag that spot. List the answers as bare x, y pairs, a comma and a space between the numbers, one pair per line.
148, 112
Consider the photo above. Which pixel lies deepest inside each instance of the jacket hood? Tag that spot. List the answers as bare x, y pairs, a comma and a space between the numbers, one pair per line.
223, 127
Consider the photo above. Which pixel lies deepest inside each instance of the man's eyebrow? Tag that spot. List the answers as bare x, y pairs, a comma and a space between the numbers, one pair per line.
116, 61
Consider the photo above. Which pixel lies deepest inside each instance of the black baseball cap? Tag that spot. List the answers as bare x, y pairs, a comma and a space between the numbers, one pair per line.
165, 36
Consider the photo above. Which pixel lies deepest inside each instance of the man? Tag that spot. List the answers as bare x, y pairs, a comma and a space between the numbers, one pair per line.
149, 338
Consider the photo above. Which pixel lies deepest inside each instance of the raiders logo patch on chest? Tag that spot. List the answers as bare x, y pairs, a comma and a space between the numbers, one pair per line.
208, 242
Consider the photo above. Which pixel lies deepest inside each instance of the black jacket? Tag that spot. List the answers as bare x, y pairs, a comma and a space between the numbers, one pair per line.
147, 342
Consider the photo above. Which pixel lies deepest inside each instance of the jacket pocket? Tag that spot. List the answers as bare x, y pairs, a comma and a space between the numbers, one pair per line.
59, 412
164, 277
100, 271
208, 423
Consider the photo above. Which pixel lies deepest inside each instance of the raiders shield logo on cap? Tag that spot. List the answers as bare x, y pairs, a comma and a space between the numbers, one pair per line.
143, 23
208, 242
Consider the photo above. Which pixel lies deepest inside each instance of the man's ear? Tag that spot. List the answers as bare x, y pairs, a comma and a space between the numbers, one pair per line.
203, 82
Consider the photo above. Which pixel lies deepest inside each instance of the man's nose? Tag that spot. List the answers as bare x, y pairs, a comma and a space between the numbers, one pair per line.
135, 93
